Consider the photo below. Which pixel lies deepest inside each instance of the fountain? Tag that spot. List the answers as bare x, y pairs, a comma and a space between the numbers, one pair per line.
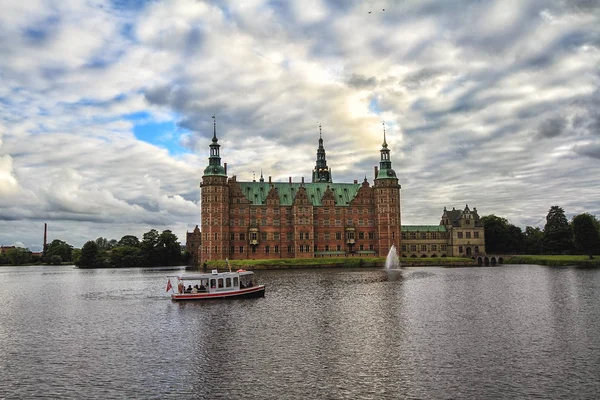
392, 262
392, 265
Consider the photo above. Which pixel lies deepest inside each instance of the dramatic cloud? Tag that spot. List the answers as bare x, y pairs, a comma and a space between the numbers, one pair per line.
106, 106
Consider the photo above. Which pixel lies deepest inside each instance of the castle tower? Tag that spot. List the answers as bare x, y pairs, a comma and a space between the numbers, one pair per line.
387, 202
321, 172
214, 210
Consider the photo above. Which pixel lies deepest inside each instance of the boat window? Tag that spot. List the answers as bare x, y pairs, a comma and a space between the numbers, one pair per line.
220, 280
235, 281
213, 283
227, 282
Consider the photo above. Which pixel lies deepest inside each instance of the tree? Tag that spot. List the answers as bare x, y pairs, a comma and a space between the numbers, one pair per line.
56, 259
126, 256
105, 244
18, 256
533, 240
168, 248
501, 236
586, 235
557, 233
89, 255
149, 250
58, 248
129, 240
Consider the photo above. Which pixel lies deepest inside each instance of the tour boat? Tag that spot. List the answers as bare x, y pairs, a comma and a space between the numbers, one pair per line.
215, 285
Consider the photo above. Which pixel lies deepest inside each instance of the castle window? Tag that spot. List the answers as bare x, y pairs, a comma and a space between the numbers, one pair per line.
423, 235
241, 249
276, 249
476, 249
371, 247
232, 250
326, 247
232, 236
339, 248
289, 249
253, 249
242, 236
434, 235
468, 234
434, 247
216, 236
460, 235
404, 236
361, 247
276, 236
338, 235
476, 235
267, 249
460, 249
467, 222
423, 247
361, 235
413, 235
443, 247
403, 247
413, 248
371, 235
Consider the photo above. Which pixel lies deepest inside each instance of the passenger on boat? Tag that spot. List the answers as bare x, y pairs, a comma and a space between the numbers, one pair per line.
195, 289
202, 288
189, 289
181, 287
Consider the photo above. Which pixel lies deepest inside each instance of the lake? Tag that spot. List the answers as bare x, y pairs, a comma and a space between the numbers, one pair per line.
421, 333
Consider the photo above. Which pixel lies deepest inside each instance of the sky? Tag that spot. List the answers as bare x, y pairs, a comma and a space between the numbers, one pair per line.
106, 106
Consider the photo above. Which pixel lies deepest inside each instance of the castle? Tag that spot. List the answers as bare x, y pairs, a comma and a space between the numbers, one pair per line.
270, 220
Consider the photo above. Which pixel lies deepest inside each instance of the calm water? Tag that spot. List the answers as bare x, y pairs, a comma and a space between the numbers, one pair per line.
510, 332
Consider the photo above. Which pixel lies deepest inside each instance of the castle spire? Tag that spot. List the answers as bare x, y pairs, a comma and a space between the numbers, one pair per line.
214, 160
321, 172
214, 139
385, 164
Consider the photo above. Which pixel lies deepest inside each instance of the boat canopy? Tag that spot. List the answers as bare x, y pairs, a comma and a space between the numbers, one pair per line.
195, 277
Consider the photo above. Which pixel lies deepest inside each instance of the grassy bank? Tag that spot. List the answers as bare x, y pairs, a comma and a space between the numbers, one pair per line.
338, 262
555, 261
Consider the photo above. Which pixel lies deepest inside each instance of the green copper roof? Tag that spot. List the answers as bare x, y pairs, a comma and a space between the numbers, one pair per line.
257, 192
213, 170
423, 228
386, 174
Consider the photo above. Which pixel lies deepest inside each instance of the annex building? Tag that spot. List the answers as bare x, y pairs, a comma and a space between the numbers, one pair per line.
322, 218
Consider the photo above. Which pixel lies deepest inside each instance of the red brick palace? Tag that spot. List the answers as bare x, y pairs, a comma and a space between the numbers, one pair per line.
265, 219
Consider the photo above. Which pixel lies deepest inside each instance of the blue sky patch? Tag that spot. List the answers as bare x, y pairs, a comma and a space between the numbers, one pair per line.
161, 134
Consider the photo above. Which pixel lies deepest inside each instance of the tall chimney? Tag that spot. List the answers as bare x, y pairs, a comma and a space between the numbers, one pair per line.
302, 179
45, 237
269, 179
225, 166
290, 179
376, 171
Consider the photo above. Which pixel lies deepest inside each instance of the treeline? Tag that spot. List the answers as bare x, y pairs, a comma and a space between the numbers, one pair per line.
581, 235
153, 250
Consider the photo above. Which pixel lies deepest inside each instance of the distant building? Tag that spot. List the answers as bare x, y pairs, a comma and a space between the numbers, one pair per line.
4, 249
459, 234
192, 246
266, 220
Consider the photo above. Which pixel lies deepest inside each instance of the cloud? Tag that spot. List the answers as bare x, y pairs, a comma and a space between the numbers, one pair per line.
466, 89
552, 127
